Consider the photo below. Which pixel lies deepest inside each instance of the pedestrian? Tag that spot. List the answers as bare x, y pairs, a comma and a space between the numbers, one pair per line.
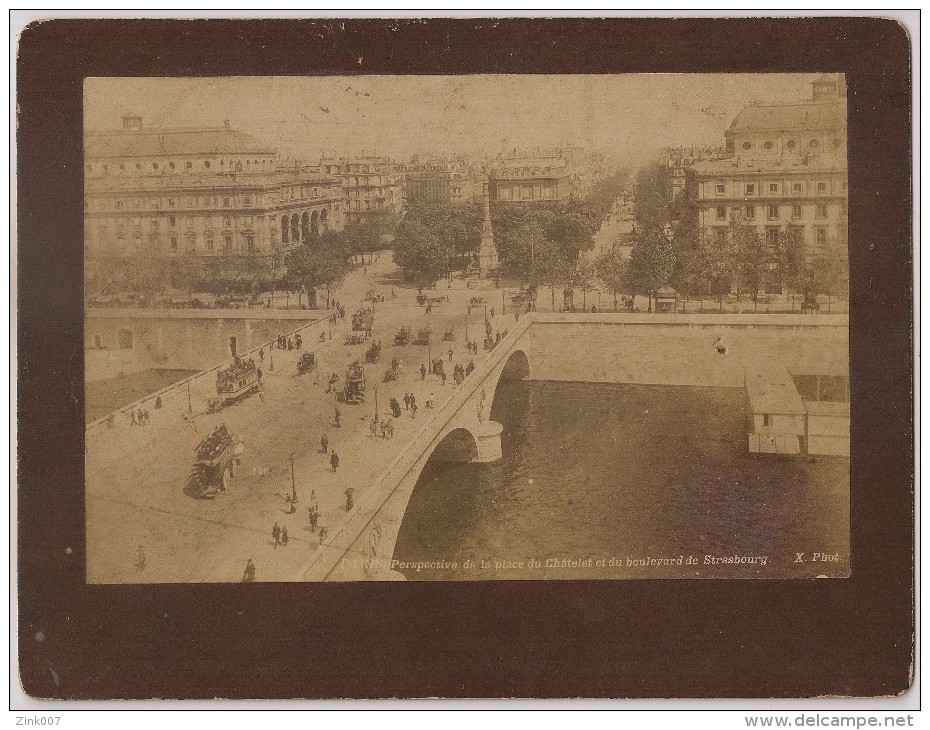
492, 312
276, 534
423, 371
258, 374
334, 460
249, 575
312, 517
450, 354
373, 426
133, 422
145, 413
336, 423
324, 444
284, 538
406, 402
289, 506
349, 502
322, 533
383, 429
157, 401
442, 374
261, 354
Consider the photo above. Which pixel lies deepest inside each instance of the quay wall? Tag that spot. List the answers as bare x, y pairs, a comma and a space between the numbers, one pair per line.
679, 349
120, 341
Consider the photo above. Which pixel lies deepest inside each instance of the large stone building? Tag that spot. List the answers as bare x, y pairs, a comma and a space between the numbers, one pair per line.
537, 177
216, 198
370, 184
785, 170
440, 181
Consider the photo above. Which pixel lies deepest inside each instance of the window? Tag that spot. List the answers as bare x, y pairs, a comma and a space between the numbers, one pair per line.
821, 187
247, 221
155, 224
773, 187
773, 212
820, 237
796, 211
206, 163
771, 238
154, 165
171, 165
766, 420
768, 144
227, 221
247, 201
747, 146
173, 240
814, 143
790, 144
208, 240
750, 188
226, 203
171, 202
191, 202
137, 203
797, 187
249, 242
721, 234
751, 212
172, 221
188, 165
125, 339
119, 204
721, 212
227, 242
821, 211
836, 144
720, 188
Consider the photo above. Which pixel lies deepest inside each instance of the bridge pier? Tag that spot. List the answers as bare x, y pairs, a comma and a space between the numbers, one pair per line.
488, 441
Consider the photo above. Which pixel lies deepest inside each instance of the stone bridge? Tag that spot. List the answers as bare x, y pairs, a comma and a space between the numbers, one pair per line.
644, 349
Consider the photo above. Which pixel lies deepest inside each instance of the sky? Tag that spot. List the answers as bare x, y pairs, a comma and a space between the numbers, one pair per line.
624, 114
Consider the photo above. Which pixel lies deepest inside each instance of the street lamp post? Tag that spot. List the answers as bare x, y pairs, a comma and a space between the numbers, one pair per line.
376, 404
503, 302
190, 408
271, 352
293, 481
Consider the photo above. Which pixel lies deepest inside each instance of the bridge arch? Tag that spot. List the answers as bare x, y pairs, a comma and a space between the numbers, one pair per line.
516, 367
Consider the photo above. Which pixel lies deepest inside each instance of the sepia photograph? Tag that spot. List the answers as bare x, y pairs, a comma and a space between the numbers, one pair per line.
466, 328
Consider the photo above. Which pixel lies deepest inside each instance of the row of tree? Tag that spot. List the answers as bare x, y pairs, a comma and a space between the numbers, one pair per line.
536, 243
669, 248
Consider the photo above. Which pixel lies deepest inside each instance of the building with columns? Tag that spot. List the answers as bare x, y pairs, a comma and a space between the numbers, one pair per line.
212, 198
785, 170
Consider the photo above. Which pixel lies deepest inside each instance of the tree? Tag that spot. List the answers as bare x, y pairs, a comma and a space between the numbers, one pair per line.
686, 274
752, 257
790, 261
830, 272
584, 278
651, 191
421, 253
651, 263
612, 270
717, 261
321, 262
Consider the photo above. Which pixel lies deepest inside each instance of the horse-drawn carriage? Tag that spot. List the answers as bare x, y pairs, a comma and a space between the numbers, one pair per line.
354, 391
402, 338
449, 335
363, 320
215, 460
424, 336
393, 372
234, 383
355, 338
373, 354
306, 363
475, 302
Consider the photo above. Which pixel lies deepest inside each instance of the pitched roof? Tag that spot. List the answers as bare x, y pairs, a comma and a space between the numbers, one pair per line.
809, 116
165, 142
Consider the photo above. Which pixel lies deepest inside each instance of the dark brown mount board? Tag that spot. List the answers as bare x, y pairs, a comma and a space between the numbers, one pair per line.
705, 638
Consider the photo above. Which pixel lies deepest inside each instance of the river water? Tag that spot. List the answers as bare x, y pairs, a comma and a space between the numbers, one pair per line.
627, 481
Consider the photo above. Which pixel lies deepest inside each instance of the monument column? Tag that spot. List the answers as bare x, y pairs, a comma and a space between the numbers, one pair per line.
487, 253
